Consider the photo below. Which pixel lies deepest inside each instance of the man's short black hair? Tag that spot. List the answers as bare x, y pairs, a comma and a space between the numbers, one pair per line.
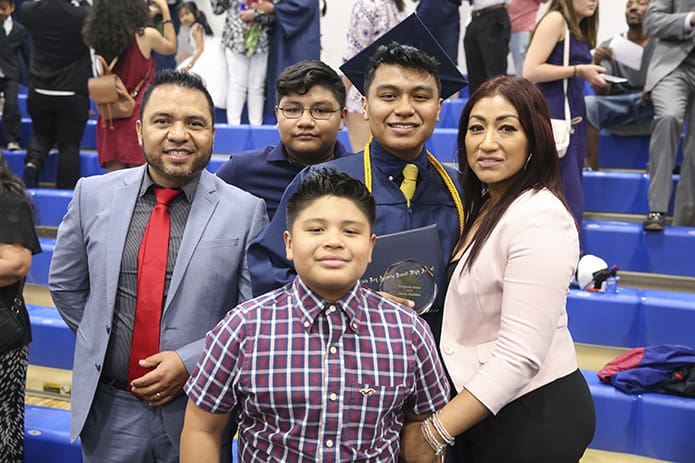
330, 182
182, 79
405, 56
302, 76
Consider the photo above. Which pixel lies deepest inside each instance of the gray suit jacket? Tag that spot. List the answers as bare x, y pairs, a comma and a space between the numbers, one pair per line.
665, 22
209, 278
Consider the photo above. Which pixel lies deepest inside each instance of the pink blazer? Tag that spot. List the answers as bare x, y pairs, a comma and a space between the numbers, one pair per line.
505, 324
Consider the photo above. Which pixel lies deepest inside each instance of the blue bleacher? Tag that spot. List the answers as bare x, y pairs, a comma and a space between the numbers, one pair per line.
626, 152
665, 424
632, 317
41, 263
47, 436
53, 344
633, 249
619, 192
616, 417
89, 165
451, 113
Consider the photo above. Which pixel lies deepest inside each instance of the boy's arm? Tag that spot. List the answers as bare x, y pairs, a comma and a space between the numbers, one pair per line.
201, 439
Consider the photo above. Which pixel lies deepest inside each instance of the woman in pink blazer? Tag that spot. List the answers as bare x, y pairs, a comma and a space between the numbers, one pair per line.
505, 342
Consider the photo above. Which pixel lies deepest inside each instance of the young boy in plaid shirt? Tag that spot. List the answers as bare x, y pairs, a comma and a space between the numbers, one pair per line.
322, 369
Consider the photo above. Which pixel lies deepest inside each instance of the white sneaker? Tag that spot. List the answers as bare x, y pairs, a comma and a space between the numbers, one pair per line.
13, 146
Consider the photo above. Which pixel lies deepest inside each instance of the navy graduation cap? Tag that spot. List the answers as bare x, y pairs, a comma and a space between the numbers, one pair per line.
413, 32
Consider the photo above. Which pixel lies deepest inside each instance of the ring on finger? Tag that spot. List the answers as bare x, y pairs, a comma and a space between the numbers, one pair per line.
158, 396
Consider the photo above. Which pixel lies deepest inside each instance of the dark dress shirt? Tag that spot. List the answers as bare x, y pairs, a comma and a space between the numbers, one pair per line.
431, 204
266, 172
118, 352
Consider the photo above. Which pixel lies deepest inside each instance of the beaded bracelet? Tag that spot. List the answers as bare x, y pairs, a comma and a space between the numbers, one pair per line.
434, 444
170, 21
439, 427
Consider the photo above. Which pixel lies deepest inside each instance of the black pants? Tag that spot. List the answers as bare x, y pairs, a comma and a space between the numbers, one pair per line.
486, 44
11, 118
553, 424
58, 120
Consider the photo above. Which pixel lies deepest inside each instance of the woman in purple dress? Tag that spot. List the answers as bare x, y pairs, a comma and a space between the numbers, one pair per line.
543, 65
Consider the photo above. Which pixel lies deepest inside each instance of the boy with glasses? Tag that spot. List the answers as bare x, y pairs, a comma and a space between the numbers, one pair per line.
310, 113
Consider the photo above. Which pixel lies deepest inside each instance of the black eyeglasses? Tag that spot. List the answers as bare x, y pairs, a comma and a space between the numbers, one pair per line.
319, 114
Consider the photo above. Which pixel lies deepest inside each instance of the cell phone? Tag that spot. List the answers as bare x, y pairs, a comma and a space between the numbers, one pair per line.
613, 79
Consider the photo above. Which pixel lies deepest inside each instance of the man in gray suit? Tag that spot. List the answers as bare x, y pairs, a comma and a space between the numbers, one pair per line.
95, 285
671, 81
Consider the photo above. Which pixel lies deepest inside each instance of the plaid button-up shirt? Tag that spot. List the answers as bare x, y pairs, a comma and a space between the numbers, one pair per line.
310, 381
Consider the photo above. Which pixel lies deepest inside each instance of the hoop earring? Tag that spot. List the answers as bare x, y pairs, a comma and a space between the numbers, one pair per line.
528, 159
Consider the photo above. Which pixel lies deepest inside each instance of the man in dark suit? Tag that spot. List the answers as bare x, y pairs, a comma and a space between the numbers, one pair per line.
128, 405
13, 40
310, 112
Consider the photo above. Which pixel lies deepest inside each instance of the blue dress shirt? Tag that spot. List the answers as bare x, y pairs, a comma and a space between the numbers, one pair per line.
266, 172
431, 204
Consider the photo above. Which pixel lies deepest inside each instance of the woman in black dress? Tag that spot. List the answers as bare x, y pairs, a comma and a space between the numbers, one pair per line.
18, 242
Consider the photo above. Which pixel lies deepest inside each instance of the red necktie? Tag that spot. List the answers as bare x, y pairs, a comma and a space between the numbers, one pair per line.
152, 268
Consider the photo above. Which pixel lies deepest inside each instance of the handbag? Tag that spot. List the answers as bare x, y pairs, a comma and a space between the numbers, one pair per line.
562, 128
109, 93
11, 322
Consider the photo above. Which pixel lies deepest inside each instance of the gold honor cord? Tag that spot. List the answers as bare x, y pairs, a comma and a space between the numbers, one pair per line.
437, 166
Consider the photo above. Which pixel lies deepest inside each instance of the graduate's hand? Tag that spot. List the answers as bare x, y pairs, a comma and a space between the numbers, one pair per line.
164, 382
400, 300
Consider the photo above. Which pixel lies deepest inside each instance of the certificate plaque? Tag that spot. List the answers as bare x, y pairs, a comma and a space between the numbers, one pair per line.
409, 265
412, 280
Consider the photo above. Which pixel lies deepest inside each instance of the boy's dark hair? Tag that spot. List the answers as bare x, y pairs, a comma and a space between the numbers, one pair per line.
405, 56
301, 76
181, 79
330, 182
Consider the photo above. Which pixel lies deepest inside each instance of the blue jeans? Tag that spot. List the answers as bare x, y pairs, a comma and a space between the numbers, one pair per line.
623, 114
